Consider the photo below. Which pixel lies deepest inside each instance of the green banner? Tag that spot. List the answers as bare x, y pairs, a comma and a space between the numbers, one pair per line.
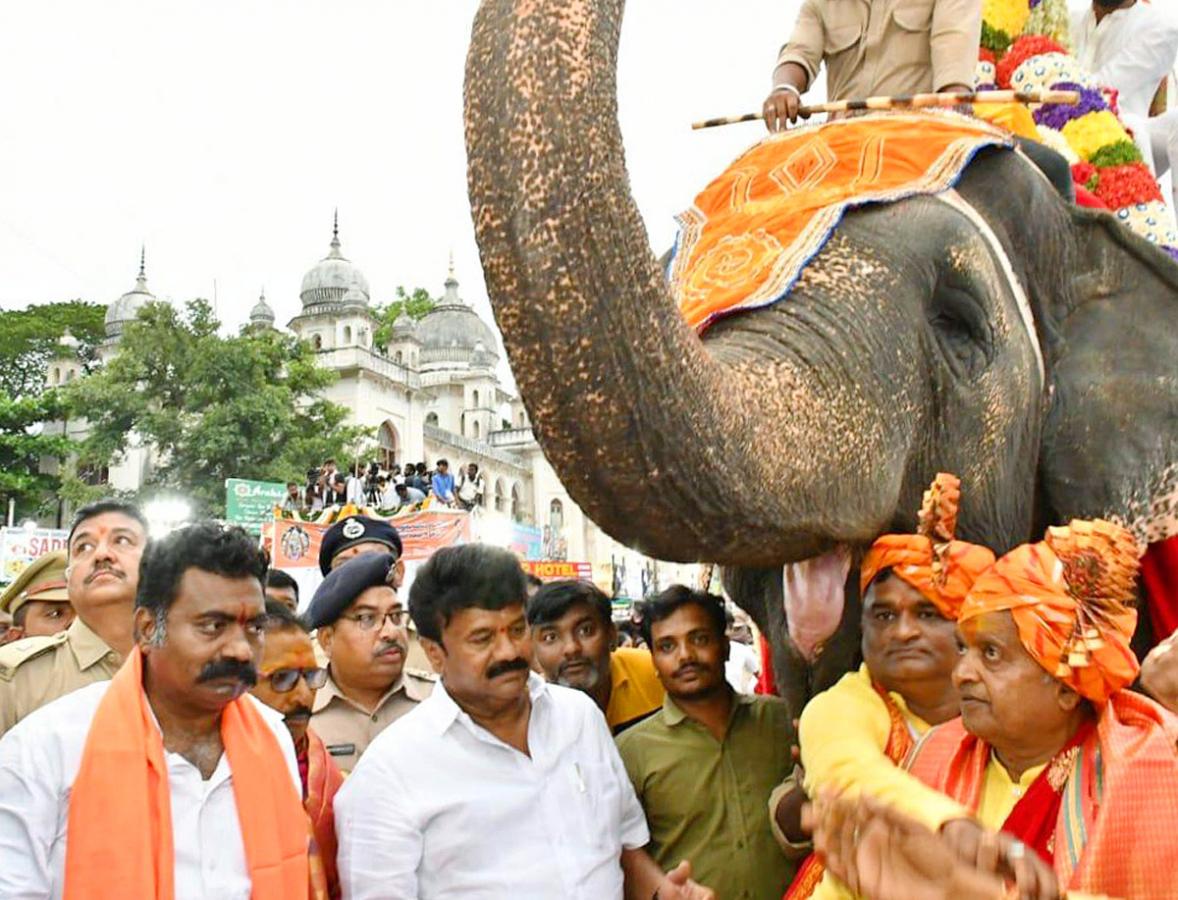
250, 503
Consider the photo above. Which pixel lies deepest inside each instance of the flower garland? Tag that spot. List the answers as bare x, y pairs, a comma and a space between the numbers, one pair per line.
1024, 48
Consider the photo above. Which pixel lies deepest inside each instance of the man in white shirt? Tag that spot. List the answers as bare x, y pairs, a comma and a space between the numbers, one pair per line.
498, 785
80, 814
1130, 46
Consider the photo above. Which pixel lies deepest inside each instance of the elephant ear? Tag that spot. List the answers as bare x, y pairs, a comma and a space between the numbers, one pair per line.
1111, 438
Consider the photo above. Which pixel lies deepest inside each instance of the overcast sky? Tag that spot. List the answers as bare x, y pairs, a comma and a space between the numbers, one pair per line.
223, 134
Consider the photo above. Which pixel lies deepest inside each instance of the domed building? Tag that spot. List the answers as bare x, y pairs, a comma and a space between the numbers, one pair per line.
334, 279
433, 391
126, 308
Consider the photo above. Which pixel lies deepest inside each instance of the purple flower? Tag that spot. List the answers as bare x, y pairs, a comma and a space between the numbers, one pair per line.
1173, 251
1057, 115
1035, 3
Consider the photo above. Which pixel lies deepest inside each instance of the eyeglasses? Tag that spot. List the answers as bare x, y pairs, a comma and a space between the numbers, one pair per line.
284, 680
367, 621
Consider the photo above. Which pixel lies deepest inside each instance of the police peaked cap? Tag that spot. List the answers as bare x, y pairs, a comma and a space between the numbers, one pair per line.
356, 530
342, 586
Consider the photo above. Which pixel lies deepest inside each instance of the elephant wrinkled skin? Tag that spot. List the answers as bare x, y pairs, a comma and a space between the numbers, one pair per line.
900, 352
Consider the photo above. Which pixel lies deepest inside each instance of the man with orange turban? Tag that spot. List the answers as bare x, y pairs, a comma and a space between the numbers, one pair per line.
855, 735
1050, 747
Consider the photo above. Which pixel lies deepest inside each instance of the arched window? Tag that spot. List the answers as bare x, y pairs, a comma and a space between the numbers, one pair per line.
347, 335
317, 342
556, 516
56, 375
474, 399
400, 357
500, 499
517, 510
431, 419
69, 376
387, 440
475, 430
522, 418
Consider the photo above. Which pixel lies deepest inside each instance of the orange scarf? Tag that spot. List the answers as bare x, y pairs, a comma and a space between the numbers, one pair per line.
120, 817
899, 745
1119, 791
323, 780
932, 561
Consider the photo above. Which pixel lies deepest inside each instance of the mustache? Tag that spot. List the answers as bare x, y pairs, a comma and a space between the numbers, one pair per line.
245, 672
299, 712
104, 569
689, 667
519, 664
385, 646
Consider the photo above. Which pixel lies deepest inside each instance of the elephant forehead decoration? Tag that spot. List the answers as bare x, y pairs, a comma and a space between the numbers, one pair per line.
751, 232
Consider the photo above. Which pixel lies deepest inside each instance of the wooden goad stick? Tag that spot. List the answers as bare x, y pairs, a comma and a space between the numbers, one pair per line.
916, 101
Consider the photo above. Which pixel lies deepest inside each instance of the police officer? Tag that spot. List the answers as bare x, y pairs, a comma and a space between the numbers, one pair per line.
355, 535
105, 545
362, 628
38, 602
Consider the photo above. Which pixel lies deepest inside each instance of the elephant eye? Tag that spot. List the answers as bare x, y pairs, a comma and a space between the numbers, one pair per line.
962, 331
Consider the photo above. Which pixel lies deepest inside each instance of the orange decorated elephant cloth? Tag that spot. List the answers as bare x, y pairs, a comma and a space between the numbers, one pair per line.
751, 232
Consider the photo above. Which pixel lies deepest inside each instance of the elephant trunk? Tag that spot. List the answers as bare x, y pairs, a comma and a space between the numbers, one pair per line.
680, 453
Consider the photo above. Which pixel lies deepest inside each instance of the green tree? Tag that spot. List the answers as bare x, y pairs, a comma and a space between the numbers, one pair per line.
212, 407
415, 304
29, 339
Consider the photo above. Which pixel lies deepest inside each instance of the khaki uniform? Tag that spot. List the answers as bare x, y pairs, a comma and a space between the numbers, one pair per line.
886, 47
37, 670
347, 728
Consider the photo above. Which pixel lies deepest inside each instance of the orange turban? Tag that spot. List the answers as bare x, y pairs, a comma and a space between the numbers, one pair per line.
941, 568
1069, 597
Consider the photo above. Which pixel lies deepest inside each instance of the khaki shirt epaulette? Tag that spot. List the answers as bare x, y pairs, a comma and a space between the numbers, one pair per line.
17, 653
36, 671
423, 674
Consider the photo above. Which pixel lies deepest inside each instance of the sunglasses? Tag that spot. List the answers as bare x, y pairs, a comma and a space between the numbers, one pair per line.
283, 680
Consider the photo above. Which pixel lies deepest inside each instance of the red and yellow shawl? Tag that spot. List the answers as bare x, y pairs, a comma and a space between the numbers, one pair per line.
1116, 792
323, 780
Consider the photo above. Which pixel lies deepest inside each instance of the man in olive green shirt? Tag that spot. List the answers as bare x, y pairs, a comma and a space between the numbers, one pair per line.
704, 765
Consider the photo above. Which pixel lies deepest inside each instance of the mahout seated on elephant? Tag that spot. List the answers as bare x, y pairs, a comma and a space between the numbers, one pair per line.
902, 350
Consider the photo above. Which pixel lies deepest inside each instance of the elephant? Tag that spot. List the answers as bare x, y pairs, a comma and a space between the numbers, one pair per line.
1009, 337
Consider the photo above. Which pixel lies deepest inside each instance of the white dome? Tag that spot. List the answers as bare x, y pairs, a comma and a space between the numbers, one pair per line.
333, 277
452, 332
126, 308
262, 314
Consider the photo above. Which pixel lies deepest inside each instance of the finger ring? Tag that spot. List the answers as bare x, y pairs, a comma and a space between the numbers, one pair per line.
1016, 851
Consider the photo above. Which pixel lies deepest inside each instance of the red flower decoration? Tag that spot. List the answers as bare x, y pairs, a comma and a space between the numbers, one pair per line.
985, 55
1022, 50
1084, 172
1122, 186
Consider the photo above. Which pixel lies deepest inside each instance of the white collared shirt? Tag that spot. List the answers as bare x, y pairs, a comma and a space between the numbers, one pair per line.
1131, 50
438, 807
39, 760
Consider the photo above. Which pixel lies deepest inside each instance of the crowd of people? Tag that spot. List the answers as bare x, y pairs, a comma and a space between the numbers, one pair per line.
190, 734
388, 490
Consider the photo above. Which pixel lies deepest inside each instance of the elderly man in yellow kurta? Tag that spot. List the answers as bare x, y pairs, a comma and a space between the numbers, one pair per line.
873, 48
854, 735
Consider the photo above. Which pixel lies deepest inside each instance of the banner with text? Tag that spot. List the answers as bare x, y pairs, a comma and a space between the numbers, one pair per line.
250, 504
20, 546
551, 570
297, 544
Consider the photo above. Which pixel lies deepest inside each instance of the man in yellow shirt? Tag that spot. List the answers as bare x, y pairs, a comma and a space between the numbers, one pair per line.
854, 735
1050, 747
573, 634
